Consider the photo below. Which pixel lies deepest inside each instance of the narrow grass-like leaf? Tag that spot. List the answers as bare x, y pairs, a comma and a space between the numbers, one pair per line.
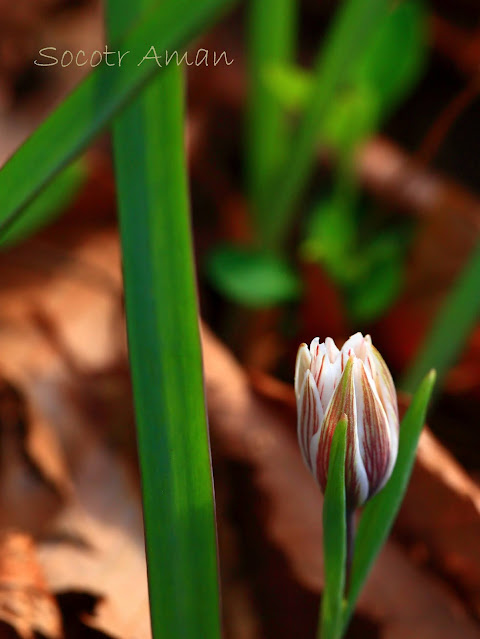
165, 356
451, 327
355, 24
272, 30
403, 29
334, 537
49, 205
379, 514
83, 114
166, 365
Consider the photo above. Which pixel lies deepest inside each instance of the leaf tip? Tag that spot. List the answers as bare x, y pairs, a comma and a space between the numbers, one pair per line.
429, 380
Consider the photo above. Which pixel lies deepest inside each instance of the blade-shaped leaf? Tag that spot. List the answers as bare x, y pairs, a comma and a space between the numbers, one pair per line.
166, 365
83, 114
379, 514
165, 356
49, 205
357, 21
451, 327
334, 536
271, 37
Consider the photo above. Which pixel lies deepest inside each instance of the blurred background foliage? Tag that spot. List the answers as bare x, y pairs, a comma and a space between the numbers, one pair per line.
341, 231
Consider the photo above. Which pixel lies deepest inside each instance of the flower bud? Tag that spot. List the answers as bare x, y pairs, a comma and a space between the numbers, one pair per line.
354, 381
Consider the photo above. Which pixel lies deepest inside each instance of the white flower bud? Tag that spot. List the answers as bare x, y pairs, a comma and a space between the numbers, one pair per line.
354, 381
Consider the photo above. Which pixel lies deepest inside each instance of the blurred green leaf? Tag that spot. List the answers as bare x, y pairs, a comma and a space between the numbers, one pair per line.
354, 118
451, 327
372, 49
327, 241
368, 267
394, 57
378, 77
49, 205
353, 26
334, 536
371, 273
291, 85
373, 294
379, 279
272, 33
380, 513
251, 277
382, 73
331, 231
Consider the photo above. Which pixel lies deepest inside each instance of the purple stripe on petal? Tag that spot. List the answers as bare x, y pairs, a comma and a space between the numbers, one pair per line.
342, 402
310, 415
376, 440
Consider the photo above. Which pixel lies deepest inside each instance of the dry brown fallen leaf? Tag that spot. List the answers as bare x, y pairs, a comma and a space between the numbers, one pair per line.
34, 480
441, 514
97, 542
26, 605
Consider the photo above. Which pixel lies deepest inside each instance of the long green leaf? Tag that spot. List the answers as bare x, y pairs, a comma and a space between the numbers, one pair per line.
451, 327
165, 355
379, 514
83, 114
272, 30
49, 205
334, 537
355, 24
166, 366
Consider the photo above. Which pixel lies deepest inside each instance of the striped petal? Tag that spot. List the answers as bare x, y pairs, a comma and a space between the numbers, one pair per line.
301, 366
373, 430
331, 349
309, 414
385, 387
343, 403
356, 343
